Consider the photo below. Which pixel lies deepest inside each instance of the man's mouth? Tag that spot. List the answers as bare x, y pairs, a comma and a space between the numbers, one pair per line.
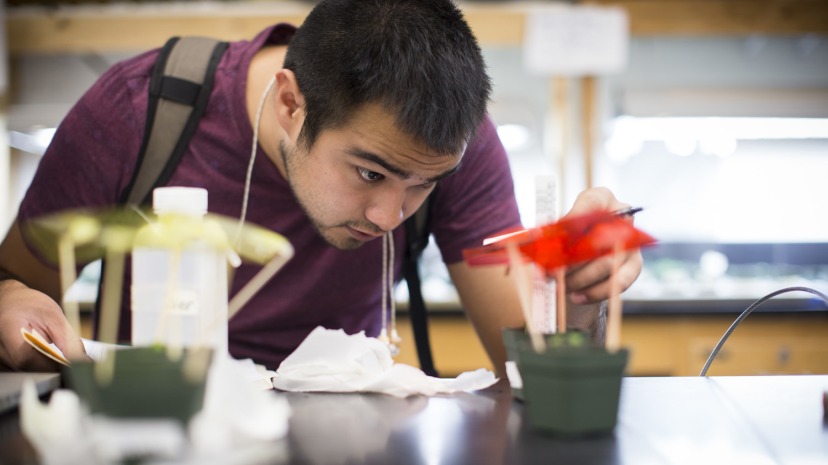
362, 235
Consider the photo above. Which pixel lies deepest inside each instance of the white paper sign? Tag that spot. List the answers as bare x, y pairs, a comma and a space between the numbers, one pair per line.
566, 40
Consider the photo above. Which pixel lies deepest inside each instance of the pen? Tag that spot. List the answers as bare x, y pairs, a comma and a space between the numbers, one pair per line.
628, 211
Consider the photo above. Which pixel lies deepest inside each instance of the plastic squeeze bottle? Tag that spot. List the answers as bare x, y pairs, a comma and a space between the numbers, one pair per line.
179, 274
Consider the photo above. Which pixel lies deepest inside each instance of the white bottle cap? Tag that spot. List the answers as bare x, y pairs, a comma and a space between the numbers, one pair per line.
188, 200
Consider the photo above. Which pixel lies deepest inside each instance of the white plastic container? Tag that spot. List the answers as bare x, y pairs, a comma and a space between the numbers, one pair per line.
179, 274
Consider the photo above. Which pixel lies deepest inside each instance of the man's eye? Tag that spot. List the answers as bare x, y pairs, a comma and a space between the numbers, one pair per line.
368, 175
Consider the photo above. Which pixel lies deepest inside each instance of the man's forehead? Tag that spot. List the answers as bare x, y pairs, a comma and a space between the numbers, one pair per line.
383, 119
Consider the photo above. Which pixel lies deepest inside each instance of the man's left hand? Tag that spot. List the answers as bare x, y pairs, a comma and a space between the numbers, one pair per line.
589, 282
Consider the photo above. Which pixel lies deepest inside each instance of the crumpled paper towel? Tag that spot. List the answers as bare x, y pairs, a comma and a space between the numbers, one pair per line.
238, 421
332, 361
53, 429
236, 409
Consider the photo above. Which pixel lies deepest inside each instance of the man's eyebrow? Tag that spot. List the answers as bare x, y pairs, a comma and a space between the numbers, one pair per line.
395, 170
374, 158
445, 174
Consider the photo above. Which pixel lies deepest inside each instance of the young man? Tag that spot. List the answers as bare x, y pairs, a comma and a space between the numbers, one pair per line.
367, 109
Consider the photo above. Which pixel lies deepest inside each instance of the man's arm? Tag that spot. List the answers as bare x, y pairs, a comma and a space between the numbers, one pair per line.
18, 263
490, 299
29, 291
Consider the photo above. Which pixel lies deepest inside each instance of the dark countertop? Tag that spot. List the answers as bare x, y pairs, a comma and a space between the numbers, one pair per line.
750, 419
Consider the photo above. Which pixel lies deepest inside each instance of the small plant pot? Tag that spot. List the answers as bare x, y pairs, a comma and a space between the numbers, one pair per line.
572, 391
516, 340
142, 382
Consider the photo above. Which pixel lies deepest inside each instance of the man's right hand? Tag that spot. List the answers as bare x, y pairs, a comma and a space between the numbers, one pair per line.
29, 300
22, 307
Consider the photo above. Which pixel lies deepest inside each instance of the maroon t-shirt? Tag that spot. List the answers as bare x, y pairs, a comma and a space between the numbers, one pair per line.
94, 151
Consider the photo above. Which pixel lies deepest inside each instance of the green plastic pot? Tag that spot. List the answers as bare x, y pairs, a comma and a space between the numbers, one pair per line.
570, 389
145, 382
516, 340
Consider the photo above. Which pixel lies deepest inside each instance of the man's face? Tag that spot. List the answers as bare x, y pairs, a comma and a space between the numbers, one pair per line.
363, 179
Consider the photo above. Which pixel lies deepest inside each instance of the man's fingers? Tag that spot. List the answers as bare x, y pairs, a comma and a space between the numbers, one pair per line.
66, 339
591, 284
20, 356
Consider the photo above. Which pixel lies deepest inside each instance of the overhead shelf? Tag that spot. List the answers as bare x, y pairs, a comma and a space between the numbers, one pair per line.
137, 26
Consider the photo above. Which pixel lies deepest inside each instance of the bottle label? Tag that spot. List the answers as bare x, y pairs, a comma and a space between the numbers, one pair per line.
185, 302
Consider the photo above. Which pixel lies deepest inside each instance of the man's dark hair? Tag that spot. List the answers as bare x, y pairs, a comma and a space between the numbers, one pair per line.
416, 58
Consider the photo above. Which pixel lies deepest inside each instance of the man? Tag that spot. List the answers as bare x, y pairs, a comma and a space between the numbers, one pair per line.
367, 109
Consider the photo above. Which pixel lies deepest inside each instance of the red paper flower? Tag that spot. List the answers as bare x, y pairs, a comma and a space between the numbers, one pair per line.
567, 242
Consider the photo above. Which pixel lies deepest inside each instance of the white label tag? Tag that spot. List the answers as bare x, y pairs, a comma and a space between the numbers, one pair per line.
185, 302
514, 375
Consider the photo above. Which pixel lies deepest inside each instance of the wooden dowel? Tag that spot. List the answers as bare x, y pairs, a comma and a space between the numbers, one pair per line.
560, 293
614, 305
523, 284
68, 276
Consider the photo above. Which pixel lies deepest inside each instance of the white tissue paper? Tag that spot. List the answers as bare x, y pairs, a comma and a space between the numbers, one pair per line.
240, 422
332, 361
237, 410
54, 429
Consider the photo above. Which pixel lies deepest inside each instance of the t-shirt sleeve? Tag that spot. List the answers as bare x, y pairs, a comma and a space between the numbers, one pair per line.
93, 152
478, 200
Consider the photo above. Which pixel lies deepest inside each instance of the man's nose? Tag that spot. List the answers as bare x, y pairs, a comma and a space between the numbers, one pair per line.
387, 210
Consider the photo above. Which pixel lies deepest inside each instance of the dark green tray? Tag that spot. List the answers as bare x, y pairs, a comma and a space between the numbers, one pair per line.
145, 383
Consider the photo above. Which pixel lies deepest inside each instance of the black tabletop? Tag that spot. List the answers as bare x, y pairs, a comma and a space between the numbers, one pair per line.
680, 420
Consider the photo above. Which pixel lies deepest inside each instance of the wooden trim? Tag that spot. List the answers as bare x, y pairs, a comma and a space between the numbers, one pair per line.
723, 17
557, 135
588, 123
139, 26
135, 27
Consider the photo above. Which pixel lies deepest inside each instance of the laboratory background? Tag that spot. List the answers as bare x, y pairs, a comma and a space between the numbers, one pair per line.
711, 115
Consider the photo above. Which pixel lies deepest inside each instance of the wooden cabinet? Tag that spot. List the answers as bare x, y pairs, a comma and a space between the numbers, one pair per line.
660, 345
129, 26
762, 344
664, 345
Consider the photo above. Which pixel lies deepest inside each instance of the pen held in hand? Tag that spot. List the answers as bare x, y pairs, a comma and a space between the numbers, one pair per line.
630, 211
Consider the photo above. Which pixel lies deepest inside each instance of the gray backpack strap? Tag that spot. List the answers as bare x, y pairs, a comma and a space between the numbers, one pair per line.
180, 87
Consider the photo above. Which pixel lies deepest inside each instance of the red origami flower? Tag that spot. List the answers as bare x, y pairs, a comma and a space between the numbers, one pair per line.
572, 240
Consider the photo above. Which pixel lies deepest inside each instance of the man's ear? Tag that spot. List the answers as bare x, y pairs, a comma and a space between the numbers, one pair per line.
289, 104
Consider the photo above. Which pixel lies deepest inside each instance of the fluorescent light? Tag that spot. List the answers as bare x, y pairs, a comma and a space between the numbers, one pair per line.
714, 135
35, 141
699, 128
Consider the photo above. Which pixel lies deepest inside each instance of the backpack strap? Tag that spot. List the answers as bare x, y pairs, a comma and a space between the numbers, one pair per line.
180, 87
179, 90
417, 232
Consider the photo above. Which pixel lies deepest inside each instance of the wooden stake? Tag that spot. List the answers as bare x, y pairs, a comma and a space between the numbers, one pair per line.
68, 275
260, 279
560, 288
614, 304
524, 284
111, 300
